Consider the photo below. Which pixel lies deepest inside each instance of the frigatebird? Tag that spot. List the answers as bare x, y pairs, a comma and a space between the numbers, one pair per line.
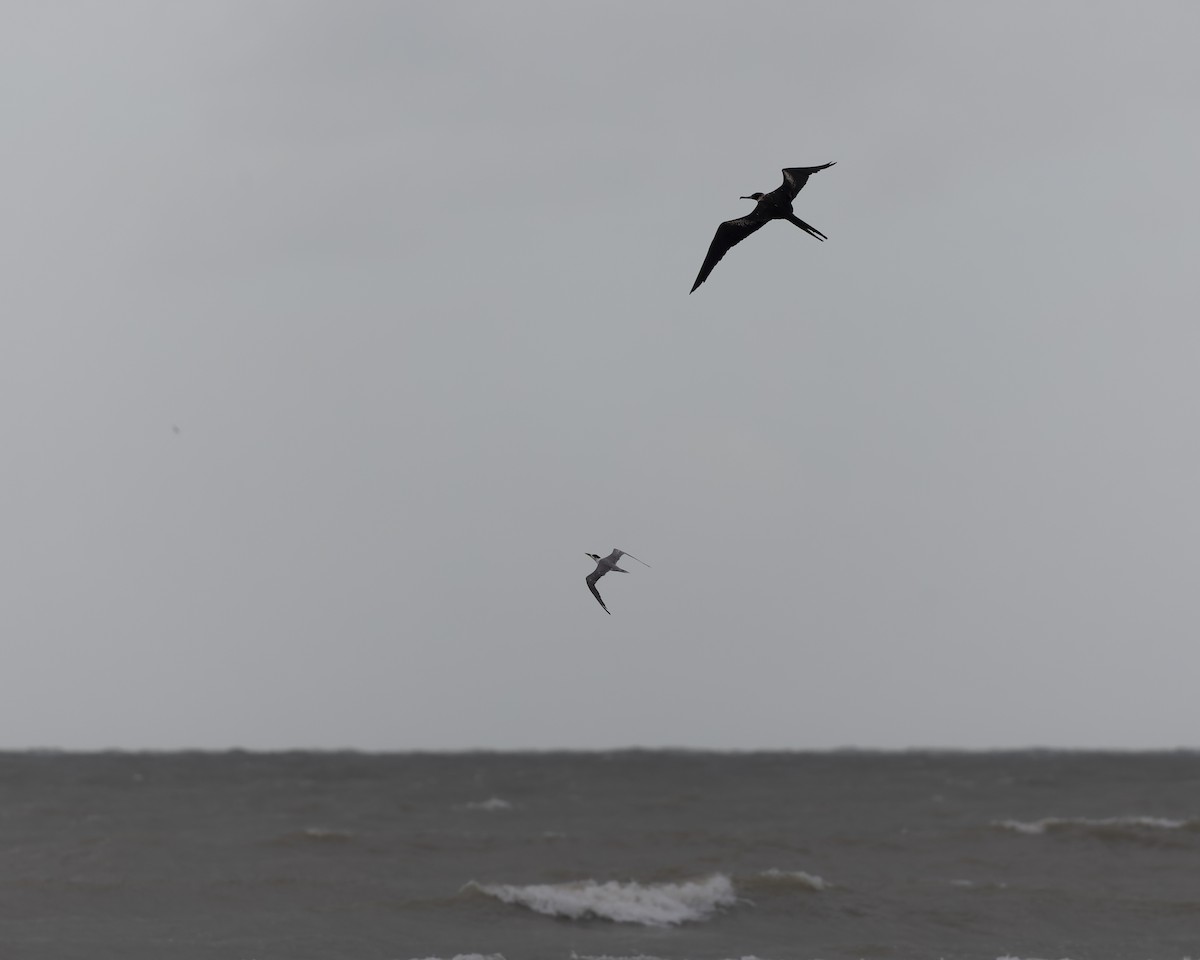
603, 566
776, 205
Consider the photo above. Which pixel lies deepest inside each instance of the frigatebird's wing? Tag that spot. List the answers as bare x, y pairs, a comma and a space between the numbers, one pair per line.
728, 234
591, 582
794, 179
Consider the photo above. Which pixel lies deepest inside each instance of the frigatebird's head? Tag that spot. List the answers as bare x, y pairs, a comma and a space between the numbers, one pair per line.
753, 196
594, 556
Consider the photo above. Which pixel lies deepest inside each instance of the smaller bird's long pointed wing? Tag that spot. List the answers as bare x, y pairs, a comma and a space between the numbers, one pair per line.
623, 553
591, 582
728, 234
794, 179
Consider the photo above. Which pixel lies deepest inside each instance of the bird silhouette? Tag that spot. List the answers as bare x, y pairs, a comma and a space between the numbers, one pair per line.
776, 205
603, 566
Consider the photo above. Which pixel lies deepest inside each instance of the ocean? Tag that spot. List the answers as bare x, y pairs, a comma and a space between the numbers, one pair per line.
675, 855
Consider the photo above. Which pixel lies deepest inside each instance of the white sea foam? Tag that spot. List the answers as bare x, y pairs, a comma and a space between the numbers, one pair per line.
491, 805
1022, 958
978, 884
316, 835
1087, 823
639, 956
606, 956
327, 833
468, 956
651, 904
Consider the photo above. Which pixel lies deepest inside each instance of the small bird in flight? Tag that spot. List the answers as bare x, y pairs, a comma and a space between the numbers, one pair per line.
776, 205
603, 566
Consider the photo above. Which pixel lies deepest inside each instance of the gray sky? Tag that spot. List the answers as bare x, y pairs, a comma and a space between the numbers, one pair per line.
412, 281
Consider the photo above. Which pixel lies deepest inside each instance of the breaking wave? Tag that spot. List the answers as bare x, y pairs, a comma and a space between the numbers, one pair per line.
787, 879
491, 805
1100, 826
469, 956
650, 904
978, 884
316, 835
639, 956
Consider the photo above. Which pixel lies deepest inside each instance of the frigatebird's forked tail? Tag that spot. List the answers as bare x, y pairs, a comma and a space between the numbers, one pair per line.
807, 227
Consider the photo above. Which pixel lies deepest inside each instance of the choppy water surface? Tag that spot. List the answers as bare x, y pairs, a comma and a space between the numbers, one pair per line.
680, 856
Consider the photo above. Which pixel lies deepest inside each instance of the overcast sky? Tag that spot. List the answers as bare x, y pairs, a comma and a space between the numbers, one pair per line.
335, 334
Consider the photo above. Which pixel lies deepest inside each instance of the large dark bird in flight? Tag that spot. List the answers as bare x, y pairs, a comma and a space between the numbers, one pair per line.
776, 205
603, 566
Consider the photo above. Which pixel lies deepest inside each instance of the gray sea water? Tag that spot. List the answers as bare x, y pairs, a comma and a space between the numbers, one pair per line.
674, 855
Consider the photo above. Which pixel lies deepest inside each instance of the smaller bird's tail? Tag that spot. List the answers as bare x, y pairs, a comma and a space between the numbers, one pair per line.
807, 227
